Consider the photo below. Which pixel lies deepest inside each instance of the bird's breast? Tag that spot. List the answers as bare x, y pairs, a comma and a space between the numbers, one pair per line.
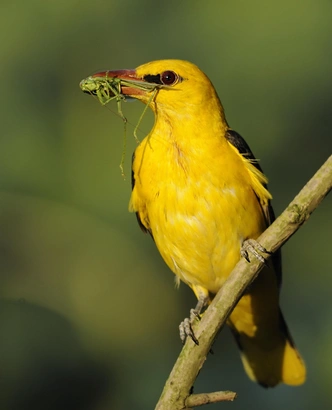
198, 213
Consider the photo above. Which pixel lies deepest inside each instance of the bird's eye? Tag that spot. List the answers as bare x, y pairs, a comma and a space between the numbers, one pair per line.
169, 77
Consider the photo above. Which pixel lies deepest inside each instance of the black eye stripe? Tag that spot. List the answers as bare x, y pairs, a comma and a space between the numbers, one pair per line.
165, 78
153, 79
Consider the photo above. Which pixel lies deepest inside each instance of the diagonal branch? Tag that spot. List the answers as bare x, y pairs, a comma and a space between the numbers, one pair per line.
176, 392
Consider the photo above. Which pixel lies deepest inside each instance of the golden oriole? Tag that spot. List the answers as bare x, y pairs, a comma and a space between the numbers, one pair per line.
200, 193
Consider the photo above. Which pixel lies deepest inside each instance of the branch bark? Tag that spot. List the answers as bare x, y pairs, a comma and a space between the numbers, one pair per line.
176, 393
195, 400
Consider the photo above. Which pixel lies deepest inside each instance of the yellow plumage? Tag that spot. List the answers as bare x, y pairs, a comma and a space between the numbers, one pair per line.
199, 192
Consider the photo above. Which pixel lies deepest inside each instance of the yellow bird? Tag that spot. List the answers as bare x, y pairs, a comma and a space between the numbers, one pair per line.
200, 193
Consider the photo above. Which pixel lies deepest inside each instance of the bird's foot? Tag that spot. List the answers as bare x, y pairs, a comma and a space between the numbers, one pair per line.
254, 247
186, 329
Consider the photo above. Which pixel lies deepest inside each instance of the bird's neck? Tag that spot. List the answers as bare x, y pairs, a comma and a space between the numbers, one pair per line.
191, 126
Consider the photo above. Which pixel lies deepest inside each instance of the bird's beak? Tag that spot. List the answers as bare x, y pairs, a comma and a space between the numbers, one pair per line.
124, 82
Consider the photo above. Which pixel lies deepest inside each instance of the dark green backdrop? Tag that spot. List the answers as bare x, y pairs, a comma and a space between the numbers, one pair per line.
88, 310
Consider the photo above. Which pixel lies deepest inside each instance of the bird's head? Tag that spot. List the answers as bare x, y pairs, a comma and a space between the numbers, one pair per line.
179, 85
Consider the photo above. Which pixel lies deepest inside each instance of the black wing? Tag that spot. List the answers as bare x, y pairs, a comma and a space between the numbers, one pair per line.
239, 143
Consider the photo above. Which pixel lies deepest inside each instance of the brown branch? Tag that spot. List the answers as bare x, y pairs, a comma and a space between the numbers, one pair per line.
176, 392
195, 400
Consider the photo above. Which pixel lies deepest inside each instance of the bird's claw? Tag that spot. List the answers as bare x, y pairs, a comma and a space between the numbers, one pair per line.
254, 247
194, 315
186, 329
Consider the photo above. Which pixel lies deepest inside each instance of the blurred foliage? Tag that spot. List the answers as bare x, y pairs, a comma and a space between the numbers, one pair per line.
80, 284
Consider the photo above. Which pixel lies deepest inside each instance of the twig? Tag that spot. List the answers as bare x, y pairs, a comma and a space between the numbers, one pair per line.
191, 359
195, 400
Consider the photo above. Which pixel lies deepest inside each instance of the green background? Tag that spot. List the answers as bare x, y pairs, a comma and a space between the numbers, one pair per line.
88, 311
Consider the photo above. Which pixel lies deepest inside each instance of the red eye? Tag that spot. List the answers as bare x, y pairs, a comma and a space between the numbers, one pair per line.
169, 77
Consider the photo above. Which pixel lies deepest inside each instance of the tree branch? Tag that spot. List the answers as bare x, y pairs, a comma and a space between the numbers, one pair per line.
195, 400
176, 393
